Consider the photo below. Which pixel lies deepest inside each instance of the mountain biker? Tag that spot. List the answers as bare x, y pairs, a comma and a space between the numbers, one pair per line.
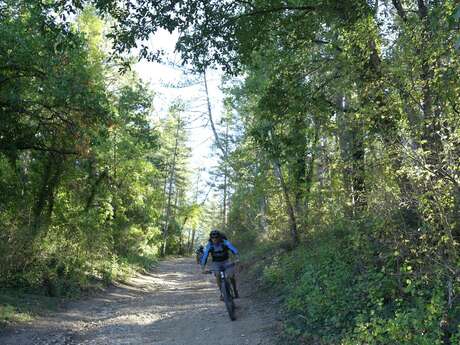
218, 246
199, 253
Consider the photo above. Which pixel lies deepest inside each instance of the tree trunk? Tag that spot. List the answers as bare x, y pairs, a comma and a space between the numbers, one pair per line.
289, 207
93, 192
263, 213
351, 142
211, 121
193, 239
50, 180
224, 214
310, 170
170, 191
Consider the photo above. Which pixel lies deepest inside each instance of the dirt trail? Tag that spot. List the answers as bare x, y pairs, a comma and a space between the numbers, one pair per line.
173, 305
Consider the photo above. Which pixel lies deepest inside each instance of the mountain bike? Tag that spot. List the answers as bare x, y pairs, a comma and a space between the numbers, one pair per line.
198, 257
227, 289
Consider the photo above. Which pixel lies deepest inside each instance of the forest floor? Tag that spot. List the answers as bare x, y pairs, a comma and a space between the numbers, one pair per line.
174, 304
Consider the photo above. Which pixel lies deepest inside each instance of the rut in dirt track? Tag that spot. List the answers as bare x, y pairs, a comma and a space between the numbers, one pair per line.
173, 305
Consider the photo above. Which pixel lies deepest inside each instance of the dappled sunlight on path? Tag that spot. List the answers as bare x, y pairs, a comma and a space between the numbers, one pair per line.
173, 305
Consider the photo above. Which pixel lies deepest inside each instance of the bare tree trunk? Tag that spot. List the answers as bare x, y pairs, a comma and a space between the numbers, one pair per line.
170, 191
351, 142
431, 138
174, 216
189, 239
344, 140
45, 200
263, 213
310, 169
193, 239
92, 195
211, 121
289, 207
222, 148
224, 215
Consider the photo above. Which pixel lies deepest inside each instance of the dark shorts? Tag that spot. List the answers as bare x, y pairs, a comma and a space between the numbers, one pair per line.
217, 265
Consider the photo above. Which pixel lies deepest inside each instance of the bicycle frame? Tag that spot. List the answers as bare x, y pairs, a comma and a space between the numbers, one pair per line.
226, 290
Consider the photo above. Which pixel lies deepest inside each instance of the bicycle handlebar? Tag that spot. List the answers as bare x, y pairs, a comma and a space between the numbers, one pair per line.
231, 264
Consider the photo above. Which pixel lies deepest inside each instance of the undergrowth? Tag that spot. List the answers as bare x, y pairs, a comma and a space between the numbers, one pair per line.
344, 288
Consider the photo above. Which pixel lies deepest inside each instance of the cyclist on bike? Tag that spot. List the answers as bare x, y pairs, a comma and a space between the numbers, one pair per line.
199, 253
218, 246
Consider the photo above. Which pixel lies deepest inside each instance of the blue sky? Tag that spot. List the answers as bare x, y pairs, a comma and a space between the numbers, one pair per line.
162, 77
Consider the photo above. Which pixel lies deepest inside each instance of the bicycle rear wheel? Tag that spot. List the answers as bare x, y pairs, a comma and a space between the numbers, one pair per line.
228, 299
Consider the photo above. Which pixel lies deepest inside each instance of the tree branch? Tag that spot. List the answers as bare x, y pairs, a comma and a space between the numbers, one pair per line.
213, 127
422, 9
36, 148
278, 9
401, 12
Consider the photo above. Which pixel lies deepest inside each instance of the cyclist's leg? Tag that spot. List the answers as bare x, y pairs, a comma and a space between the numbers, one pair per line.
215, 267
232, 278
218, 280
235, 290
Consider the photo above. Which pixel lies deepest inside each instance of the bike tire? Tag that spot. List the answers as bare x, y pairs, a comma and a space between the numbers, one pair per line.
228, 299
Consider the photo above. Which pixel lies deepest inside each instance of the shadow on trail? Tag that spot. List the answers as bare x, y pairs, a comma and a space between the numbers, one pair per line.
172, 305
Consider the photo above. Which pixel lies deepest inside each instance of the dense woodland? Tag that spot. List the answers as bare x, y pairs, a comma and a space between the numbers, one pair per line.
338, 151
90, 183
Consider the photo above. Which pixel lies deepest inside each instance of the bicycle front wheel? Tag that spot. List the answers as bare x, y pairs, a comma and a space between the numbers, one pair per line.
228, 299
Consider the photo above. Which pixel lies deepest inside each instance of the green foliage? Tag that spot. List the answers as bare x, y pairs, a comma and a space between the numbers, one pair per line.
9, 314
341, 143
348, 116
414, 324
81, 166
322, 285
335, 292
18, 305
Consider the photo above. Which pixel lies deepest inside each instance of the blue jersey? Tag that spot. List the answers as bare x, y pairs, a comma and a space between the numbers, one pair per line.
219, 251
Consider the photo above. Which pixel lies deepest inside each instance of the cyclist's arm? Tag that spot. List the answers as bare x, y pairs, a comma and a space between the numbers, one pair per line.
204, 258
231, 247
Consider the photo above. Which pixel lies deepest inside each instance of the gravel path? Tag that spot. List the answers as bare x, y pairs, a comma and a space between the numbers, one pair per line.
172, 305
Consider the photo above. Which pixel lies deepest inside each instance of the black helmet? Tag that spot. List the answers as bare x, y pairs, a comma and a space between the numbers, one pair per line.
215, 234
